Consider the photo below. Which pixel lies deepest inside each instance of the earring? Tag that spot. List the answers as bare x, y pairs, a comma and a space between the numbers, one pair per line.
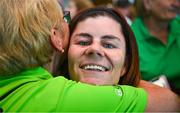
59, 43
62, 50
60, 47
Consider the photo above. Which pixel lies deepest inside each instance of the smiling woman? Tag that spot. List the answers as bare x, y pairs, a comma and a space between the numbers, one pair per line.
100, 55
97, 56
103, 51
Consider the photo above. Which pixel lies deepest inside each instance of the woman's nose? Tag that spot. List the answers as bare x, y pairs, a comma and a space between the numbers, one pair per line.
95, 50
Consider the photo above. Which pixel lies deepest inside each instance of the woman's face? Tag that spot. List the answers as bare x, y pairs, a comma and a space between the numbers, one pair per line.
97, 51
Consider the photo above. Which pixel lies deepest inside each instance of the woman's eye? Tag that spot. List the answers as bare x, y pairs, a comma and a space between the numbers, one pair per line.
109, 46
83, 43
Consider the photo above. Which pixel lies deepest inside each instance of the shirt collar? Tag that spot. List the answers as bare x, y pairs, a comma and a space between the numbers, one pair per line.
173, 26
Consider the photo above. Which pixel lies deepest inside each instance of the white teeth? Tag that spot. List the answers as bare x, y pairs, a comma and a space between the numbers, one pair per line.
94, 67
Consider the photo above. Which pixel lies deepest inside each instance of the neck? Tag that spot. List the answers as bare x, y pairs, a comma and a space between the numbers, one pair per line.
157, 28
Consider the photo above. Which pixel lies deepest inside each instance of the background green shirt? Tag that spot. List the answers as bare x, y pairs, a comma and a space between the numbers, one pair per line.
157, 58
36, 90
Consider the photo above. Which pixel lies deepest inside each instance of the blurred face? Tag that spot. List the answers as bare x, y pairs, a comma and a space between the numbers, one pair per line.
97, 51
162, 9
72, 8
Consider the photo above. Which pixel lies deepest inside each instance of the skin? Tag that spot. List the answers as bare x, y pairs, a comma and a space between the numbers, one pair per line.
72, 8
60, 41
162, 9
65, 36
97, 45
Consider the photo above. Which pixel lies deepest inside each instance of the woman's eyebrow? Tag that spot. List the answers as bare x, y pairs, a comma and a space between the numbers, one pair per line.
111, 37
83, 35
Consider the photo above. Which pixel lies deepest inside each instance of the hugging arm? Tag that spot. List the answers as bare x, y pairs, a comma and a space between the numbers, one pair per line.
160, 99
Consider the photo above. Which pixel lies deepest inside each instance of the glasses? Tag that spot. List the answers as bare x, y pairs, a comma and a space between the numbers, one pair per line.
67, 16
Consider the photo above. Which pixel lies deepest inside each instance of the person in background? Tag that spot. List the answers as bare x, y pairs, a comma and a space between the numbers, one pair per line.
101, 56
75, 6
102, 3
157, 33
126, 7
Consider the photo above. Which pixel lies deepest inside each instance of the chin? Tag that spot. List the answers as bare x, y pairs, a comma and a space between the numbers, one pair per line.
170, 17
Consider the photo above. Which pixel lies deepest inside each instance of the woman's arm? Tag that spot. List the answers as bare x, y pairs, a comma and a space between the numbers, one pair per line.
160, 99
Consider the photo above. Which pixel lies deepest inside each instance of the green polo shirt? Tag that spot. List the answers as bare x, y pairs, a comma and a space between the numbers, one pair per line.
35, 90
157, 58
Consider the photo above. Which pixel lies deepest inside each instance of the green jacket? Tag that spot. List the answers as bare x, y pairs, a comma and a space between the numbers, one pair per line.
35, 90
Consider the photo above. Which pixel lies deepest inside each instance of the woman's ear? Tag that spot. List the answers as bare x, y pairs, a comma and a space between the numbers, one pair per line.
56, 40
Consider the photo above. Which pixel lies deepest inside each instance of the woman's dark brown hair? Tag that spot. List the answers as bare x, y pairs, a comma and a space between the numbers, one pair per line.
132, 74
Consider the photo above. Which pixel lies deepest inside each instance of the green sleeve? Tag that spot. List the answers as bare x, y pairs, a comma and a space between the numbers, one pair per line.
78, 97
62, 95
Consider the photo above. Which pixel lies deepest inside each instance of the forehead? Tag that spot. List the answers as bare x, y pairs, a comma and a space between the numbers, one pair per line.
99, 24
